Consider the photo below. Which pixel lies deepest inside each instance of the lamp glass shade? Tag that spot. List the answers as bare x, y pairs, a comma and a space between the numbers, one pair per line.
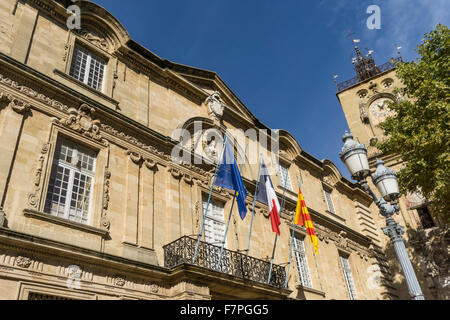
354, 155
386, 181
357, 164
388, 188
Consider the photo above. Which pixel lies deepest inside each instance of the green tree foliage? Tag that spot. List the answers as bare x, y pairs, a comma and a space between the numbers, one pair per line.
419, 131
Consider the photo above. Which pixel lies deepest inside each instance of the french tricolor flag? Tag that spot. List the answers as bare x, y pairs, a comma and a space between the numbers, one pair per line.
267, 195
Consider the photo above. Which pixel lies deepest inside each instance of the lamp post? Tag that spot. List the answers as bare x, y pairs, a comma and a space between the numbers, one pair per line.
354, 155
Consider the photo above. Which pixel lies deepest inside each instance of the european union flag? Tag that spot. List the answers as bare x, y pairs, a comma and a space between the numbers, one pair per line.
229, 177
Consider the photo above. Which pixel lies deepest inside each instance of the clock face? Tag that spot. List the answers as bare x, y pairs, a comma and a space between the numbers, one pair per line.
379, 107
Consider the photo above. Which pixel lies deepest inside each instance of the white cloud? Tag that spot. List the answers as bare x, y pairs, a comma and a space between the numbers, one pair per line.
404, 22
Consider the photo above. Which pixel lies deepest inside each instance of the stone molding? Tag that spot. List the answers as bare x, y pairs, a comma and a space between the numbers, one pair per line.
33, 94
34, 197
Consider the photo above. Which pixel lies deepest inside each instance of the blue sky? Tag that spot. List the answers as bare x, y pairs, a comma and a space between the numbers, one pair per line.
279, 57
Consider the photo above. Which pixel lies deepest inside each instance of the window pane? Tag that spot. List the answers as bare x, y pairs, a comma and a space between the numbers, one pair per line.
79, 206
57, 191
285, 179
329, 201
348, 278
88, 68
79, 61
302, 263
71, 182
214, 222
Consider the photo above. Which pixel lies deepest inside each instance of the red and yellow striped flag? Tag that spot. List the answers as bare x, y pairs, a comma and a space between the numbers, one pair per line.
302, 218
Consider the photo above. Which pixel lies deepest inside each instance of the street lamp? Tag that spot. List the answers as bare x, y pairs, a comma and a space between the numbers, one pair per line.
354, 155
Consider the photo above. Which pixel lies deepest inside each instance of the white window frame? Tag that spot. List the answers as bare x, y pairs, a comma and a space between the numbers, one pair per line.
329, 201
214, 216
348, 278
282, 173
302, 263
91, 58
73, 169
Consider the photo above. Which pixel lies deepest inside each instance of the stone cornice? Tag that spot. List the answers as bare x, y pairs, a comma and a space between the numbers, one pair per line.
64, 222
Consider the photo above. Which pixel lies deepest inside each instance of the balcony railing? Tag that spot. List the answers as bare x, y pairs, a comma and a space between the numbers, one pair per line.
383, 68
232, 263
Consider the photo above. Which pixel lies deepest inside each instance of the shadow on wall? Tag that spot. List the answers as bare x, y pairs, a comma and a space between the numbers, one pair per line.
429, 253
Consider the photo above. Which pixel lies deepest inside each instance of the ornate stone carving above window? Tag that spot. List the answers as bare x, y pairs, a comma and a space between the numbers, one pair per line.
82, 121
23, 262
95, 39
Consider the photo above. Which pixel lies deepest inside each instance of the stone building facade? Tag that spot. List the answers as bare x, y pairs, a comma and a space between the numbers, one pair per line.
364, 103
93, 205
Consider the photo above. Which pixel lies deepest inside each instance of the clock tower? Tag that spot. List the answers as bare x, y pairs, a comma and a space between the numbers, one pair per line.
364, 100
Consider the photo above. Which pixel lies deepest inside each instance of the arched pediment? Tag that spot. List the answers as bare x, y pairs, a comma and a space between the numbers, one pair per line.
289, 146
100, 27
198, 133
331, 175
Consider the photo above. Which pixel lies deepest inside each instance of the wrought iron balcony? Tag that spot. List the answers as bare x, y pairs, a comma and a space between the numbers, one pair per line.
233, 263
354, 81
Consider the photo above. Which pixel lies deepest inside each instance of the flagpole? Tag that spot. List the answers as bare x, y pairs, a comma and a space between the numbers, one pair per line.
231, 212
253, 208
292, 242
276, 235
209, 200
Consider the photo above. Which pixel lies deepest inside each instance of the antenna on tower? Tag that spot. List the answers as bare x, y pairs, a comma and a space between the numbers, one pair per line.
335, 80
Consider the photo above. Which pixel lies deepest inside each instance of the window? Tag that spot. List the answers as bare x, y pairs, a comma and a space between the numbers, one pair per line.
88, 68
71, 182
425, 218
348, 278
329, 201
214, 222
285, 179
302, 263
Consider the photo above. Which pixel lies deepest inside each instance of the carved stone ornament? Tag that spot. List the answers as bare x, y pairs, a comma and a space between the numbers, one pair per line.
197, 211
210, 144
23, 262
215, 107
188, 179
31, 93
106, 189
151, 164
19, 106
175, 173
119, 281
96, 40
133, 140
82, 121
154, 288
33, 198
135, 157
364, 114
105, 223
2, 218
